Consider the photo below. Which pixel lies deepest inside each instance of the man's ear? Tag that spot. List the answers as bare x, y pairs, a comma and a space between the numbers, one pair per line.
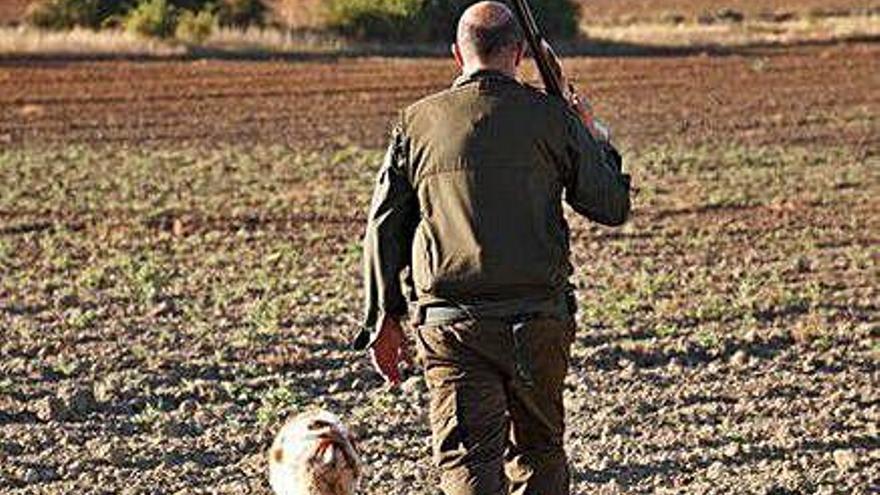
456, 53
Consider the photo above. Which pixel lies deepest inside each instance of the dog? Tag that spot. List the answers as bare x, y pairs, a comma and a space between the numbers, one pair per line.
314, 454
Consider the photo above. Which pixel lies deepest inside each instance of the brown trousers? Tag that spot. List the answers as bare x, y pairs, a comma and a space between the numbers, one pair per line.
496, 406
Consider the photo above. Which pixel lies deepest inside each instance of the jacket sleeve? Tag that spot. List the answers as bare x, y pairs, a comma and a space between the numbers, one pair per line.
387, 245
595, 185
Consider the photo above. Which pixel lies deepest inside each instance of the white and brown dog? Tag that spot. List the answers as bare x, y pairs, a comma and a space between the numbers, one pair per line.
314, 454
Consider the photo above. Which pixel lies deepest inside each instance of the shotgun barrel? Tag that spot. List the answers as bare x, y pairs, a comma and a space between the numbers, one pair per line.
536, 40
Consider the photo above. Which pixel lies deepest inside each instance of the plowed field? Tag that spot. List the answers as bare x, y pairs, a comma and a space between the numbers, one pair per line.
810, 95
304, 12
610, 11
179, 271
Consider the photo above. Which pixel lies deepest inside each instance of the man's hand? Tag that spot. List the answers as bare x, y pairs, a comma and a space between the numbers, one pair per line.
389, 350
583, 108
578, 103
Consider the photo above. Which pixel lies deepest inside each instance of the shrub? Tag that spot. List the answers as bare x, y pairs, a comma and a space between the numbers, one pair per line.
388, 20
64, 14
152, 18
433, 20
238, 13
241, 13
68, 14
195, 28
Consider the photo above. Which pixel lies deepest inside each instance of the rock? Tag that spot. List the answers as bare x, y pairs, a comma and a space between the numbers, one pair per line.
74, 469
612, 487
52, 409
31, 476
739, 359
751, 336
414, 386
40, 475
188, 407
629, 370
732, 451
716, 470
104, 392
164, 309
845, 459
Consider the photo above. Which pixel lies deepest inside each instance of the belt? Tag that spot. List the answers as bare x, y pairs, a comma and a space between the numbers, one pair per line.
511, 311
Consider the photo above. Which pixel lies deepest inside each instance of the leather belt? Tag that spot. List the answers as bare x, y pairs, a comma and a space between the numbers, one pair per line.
510, 311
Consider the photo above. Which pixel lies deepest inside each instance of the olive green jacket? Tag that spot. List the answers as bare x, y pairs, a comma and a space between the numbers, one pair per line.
468, 204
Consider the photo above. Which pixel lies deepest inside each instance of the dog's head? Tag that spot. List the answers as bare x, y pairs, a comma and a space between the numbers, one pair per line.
314, 454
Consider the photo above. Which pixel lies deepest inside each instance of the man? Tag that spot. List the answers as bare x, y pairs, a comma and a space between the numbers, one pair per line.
467, 223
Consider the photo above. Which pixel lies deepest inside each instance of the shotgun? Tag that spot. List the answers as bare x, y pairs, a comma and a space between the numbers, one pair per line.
551, 71
552, 78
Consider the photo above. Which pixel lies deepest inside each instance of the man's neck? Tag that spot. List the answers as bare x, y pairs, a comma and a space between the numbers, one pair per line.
470, 70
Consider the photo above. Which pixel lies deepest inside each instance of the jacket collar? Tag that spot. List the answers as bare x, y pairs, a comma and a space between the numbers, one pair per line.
483, 75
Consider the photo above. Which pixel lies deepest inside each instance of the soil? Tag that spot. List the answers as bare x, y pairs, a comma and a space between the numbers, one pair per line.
303, 13
617, 11
756, 96
179, 270
13, 11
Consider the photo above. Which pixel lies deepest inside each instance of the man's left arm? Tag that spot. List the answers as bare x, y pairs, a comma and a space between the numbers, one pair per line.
596, 186
393, 218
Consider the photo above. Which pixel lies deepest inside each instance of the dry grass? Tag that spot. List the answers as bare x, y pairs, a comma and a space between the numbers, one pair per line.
617, 12
298, 14
273, 40
29, 41
738, 34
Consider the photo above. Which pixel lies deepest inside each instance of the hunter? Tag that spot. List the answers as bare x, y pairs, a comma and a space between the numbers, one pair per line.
466, 236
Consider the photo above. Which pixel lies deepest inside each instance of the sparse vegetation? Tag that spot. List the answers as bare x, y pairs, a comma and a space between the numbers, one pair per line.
419, 20
191, 21
186, 246
195, 28
291, 291
66, 14
388, 25
241, 13
392, 20
154, 18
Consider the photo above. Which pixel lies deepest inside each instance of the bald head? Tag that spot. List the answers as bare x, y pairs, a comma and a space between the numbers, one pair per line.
488, 35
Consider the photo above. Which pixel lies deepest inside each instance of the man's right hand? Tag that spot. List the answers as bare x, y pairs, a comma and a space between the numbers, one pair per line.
578, 103
582, 107
389, 349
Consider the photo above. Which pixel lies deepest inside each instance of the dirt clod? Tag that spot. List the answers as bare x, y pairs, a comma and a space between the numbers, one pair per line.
81, 400
739, 359
845, 459
52, 409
